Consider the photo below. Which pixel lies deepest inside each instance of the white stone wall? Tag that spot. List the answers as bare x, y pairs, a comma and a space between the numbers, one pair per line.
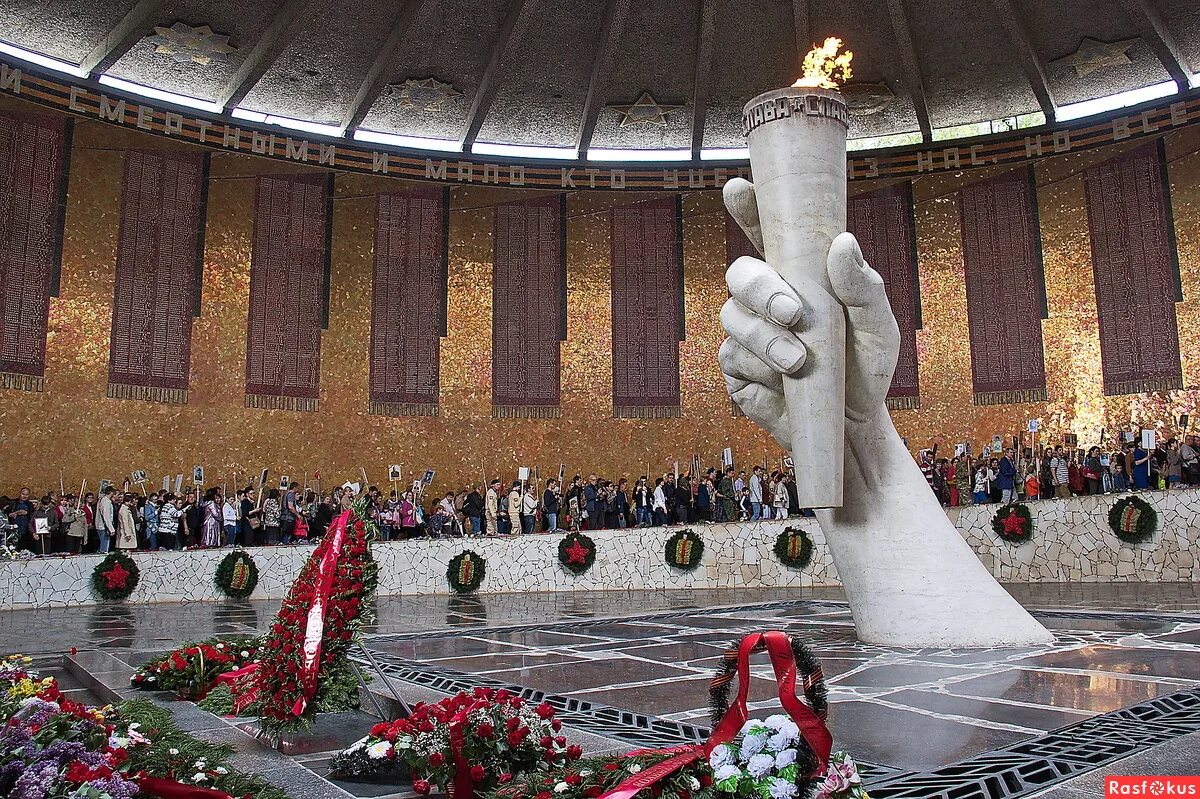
1071, 543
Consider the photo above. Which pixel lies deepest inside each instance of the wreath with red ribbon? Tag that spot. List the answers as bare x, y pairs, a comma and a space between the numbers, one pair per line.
794, 548
466, 571
684, 550
115, 577
1133, 519
237, 575
576, 552
1013, 523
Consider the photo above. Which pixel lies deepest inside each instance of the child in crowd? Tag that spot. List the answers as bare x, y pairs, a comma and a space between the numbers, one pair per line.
1033, 486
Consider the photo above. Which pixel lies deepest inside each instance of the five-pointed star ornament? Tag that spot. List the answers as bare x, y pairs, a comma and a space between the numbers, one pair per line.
1013, 525
184, 43
645, 110
1093, 55
426, 93
116, 577
577, 553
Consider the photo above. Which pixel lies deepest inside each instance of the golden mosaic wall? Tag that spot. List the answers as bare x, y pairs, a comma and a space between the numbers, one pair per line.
72, 426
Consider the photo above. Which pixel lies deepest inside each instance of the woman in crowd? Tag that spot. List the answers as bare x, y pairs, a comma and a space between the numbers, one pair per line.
271, 509
126, 524
643, 500
1092, 471
169, 515
408, 517
621, 498
75, 521
212, 518
782, 499
529, 506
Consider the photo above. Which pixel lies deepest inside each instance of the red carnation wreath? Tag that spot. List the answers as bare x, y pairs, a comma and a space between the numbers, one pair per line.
302, 666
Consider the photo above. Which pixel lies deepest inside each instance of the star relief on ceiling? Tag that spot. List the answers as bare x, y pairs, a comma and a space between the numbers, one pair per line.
645, 110
428, 94
1093, 55
187, 44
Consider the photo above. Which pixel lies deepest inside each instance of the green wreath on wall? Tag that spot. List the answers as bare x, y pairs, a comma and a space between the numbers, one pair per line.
237, 574
466, 571
1133, 519
1013, 523
576, 552
684, 550
794, 548
115, 577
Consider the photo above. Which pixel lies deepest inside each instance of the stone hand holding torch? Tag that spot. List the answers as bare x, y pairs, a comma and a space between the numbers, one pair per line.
797, 139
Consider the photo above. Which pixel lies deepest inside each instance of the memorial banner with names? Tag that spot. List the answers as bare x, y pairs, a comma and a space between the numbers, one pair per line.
289, 300
1135, 266
408, 301
882, 221
529, 306
160, 260
1006, 288
35, 153
647, 307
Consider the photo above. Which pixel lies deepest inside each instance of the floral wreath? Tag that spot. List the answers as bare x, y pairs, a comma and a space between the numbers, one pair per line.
237, 574
576, 552
1013, 523
810, 679
683, 550
466, 571
1133, 519
115, 577
794, 548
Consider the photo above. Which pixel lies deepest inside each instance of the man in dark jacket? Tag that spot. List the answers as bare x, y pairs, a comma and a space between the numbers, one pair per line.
550, 504
472, 509
1006, 478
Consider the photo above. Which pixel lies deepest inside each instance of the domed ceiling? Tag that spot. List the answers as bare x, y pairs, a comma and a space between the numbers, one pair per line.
652, 74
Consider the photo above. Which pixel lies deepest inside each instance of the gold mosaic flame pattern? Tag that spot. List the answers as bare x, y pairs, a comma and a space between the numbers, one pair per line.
73, 426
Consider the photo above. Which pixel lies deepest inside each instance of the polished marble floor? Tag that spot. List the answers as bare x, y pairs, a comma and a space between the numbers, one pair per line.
632, 667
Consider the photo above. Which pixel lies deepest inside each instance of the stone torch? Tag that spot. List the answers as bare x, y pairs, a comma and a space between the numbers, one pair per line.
797, 139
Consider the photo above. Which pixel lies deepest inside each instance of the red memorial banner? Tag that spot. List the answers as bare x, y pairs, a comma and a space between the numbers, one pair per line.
882, 221
160, 258
529, 306
1135, 265
408, 301
647, 308
34, 155
289, 291
1006, 288
737, 244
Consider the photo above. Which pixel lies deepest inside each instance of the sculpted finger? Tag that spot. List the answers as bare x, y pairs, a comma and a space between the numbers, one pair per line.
860, 289
775, 345
760, 289
742, 367
767, 409
743, 207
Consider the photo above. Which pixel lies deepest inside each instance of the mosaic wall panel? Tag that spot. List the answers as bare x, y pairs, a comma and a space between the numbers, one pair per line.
288, 291
34, 157
882, 221
465, 441
159, 263
647, 308
1006, 296
1136, 270
408, 301
529, 313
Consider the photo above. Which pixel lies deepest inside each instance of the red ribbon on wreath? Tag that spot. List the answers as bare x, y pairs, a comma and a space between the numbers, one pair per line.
783, 661
170, 789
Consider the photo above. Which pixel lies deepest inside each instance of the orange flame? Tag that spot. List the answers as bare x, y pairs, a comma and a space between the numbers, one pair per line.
825, 67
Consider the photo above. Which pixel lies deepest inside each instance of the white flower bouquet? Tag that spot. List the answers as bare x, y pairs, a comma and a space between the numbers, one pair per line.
770, 760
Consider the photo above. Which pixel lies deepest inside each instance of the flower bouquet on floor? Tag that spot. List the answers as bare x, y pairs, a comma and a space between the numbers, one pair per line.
54, 748
191, 670
302, 666
466, 744
784, 757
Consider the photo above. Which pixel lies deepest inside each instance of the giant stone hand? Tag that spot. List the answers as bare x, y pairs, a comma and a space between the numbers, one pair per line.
766, 317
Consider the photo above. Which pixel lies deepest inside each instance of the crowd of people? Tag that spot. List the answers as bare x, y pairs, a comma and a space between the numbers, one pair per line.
65, 524
61, 523
1058, 472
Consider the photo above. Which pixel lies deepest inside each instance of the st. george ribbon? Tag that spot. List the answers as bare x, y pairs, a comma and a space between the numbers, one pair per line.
797, 139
